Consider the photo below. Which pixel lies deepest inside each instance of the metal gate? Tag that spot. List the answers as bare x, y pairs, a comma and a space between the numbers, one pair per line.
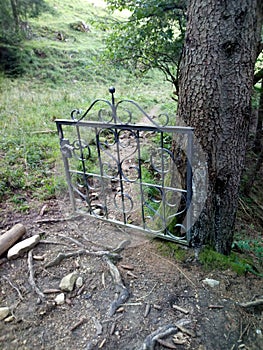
127, 167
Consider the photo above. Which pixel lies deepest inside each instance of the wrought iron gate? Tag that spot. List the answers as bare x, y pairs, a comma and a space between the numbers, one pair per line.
125, 167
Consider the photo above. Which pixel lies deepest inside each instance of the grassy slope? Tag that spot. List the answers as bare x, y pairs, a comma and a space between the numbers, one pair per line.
60, 75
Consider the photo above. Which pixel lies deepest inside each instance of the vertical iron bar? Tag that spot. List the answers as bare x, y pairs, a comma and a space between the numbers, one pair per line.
83, 168
114, 112
120, 176
67, 170
163, 191
101, 171
140, 179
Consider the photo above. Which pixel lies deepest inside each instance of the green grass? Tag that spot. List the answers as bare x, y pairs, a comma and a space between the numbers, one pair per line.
241, 264
58, 76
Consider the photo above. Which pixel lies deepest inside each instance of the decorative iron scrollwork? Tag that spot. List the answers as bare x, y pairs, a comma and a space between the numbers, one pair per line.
124, 171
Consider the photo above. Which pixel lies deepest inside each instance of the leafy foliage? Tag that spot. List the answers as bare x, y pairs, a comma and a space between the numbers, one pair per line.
14, 16
13, 29
151, 37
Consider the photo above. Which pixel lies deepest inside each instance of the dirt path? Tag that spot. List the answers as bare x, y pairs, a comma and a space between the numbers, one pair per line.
162, 293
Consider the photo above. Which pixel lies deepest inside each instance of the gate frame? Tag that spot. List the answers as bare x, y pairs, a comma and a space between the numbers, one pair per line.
116, 124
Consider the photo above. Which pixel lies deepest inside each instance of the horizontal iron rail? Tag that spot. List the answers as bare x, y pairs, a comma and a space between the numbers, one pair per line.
137, 127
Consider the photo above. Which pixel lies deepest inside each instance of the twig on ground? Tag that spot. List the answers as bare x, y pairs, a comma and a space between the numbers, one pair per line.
121, 246
50, 220
123, 291
147, 310
145, 296
243, 332
31, 276
215, 306
79, 323
13, 286
150, 341
43, 132
181, 309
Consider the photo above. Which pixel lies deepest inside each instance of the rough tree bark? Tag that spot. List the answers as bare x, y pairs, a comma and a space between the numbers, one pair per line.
215, 86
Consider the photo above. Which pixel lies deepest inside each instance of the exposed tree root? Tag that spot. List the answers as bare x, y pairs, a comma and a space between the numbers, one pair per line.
62, 256
121, 289
151, 340
31, 276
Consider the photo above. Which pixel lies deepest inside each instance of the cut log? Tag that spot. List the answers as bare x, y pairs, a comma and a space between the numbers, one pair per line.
11, 236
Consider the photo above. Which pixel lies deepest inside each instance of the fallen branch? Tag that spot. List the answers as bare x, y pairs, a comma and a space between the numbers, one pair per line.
43, 132
50, 220
150, 341
123, 291
11, 236
31, 276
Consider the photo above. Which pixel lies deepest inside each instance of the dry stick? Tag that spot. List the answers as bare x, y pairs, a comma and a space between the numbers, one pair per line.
215, 306
50, 220
79, 323
31, 276
242, 333
147, 310
123, 291
181, 309
145, 296
13, 286
150, 341
43, 132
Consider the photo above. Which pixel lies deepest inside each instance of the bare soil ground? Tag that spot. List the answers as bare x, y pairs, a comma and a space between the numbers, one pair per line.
211, 318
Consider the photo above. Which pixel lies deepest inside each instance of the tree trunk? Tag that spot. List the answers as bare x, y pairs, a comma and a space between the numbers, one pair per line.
215, 87
15, 14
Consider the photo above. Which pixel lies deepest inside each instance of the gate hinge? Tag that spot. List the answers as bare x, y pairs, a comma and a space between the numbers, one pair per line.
66, 148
